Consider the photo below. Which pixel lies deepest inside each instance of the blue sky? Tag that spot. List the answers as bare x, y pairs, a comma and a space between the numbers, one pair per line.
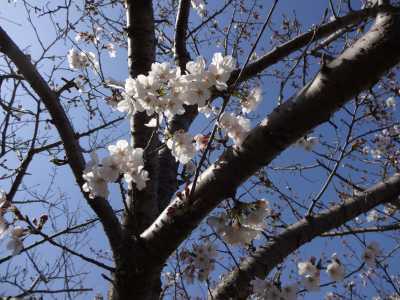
308, 12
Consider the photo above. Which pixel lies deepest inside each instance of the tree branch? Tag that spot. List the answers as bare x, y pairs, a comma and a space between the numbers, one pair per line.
362, 65
143, 205
181, 27
271, 254
72, 149
301, 41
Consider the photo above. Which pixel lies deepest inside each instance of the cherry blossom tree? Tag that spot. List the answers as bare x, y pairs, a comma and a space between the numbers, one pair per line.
200, 149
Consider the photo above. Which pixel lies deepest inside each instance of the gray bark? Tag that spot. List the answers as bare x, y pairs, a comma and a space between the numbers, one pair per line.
358, 68
268, 256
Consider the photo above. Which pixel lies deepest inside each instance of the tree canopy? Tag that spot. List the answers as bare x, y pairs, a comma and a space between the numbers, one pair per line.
199, 149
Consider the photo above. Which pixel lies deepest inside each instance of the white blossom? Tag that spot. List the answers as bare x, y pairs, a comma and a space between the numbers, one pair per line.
391, 102
335, 269
112, 52
3, 226
239, 234
163, 71
370, 253
251, 101
196, 93
120, 151
96, 184
373, 216
81, 60
237, 127
330, 296
15, 243
182, 146
259, 210
311, 283
307, 143
307, 268
110, 168
139, 176
218, 223
199, 6
123, 159
220, 70
134, 171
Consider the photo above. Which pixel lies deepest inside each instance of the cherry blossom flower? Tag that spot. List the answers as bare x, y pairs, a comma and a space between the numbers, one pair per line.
120, 151
15, 243
218, 223
199, 6
307, 143
310, 273
370, 253
81, 60
201, 141
307, 268
257, 213
163, 71
96, 184
251, 101
220, 70
112, 52
335, 269
311, 282
331, 296
239, 234
391, 102
237, 127
181, 146
373, 216
3, 227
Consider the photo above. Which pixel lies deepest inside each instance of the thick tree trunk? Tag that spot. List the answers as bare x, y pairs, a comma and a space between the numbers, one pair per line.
135, 277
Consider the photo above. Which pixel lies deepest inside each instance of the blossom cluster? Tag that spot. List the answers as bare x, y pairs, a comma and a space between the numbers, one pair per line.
200, 261
310, 272
237, 127
307, 142
242, 224
200, 7
264, 289
165, 91
80, 60
123, 159
182, 146
14, 233
370, 253
310, 276
383, 142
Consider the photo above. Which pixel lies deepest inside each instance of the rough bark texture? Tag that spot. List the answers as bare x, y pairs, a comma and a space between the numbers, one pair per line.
140, 253
319, 32
362, 65
141, 54
267, 257
168, 166
134, 278
168, 183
